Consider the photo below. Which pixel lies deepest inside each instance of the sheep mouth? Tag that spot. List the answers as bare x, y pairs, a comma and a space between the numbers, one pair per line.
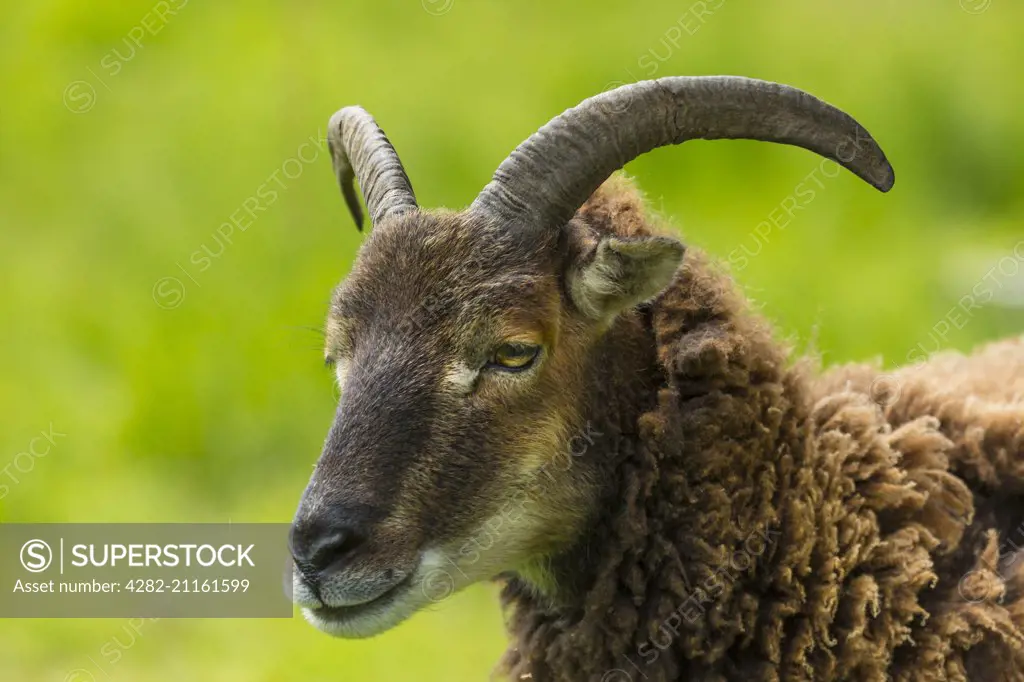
369, 618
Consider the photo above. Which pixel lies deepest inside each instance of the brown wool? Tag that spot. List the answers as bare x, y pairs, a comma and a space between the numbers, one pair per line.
774, 522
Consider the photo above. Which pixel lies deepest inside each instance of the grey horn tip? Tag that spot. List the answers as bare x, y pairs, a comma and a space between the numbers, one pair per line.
887, 180
880, 175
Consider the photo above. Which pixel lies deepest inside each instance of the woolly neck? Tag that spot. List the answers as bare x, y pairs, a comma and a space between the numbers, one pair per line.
694, 420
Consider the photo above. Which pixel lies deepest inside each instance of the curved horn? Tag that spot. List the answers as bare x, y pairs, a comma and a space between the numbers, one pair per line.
361, 151
557, 168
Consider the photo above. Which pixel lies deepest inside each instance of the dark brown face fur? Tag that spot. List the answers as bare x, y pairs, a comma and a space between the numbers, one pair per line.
441, 469
443, 462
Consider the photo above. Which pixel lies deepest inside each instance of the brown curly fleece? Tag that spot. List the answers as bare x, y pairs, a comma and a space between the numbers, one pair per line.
769, 522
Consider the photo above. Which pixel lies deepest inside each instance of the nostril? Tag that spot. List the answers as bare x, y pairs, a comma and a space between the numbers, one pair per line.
320, 548
333, 547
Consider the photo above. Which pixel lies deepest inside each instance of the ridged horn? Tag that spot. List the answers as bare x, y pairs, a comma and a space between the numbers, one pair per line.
361, 151
549, 176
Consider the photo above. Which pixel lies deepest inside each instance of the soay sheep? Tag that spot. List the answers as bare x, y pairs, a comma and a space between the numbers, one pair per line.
542, 388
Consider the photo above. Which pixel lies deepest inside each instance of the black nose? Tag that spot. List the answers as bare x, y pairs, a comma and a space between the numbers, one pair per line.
319, 544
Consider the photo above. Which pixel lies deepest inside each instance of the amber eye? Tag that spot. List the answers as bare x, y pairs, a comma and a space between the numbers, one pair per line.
514, 357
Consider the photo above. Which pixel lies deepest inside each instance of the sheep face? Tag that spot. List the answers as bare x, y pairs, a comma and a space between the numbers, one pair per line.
462, 352
467, 344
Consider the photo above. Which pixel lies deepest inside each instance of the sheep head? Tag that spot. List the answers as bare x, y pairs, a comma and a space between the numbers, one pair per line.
471, 346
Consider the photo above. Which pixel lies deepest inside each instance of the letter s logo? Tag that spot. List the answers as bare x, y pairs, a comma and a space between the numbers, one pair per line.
36, 556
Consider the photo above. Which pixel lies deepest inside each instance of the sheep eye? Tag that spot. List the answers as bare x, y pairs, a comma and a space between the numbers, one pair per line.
514, 357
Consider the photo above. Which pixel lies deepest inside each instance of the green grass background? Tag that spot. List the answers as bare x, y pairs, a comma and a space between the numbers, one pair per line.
216, 409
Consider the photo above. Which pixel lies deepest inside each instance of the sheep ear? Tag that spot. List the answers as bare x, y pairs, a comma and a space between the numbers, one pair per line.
619, 273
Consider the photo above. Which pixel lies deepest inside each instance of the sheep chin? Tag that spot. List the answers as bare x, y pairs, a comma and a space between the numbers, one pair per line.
434, 580
366, 620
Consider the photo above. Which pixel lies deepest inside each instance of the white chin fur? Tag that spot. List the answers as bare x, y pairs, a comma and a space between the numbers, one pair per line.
364, 624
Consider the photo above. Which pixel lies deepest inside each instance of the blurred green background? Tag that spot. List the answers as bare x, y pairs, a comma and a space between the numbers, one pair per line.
127, 138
